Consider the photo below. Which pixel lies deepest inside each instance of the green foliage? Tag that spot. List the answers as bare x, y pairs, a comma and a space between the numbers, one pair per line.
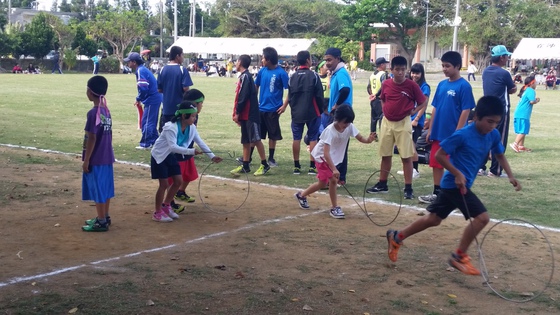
86, 46
272, 18
348, 48
366, 65
69, 58
38, 38
8, 43
110, 64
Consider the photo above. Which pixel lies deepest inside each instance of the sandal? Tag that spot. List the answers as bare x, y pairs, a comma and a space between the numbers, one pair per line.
524, 149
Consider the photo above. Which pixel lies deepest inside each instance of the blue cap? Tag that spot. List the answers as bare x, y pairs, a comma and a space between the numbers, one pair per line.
500, 50
335, 52
134, 56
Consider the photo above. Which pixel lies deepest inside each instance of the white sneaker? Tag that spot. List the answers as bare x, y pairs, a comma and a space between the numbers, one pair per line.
169, 212
427, 198
481, 172
337, 213
160, 216
415, 173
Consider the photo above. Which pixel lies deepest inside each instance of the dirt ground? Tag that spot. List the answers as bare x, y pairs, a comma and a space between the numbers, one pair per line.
269, 257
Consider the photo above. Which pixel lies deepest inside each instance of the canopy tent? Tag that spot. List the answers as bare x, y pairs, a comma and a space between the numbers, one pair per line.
537, 49
239, 46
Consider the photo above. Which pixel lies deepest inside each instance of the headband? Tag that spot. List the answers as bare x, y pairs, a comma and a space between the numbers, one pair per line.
180, 112
198, 100
531, 83
321, 64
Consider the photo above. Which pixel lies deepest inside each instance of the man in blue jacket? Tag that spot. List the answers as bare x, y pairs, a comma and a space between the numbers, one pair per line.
149, 96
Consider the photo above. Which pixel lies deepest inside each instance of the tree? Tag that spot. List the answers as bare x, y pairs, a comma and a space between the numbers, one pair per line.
272, 18
54, 6
396, 20
64, 6
8, 43
38, 38
119, 29
82, 44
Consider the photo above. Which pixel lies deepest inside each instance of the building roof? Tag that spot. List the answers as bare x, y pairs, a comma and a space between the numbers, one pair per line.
239, 46
537, 49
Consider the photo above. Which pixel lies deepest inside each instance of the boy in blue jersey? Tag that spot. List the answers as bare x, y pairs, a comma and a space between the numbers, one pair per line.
173, 81
273, 80
341, 93
452, 103
466, 148
149, 96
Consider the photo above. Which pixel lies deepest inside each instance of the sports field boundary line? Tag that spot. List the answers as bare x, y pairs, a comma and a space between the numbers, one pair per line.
55, 272
374, 200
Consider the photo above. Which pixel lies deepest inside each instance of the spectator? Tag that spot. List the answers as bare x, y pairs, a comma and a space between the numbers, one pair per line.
471, 70
17, 69
56, 63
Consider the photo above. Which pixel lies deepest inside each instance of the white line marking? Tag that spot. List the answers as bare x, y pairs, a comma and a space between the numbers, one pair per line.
196, 240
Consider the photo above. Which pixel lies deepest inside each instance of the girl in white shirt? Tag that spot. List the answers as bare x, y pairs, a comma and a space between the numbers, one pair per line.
176, 136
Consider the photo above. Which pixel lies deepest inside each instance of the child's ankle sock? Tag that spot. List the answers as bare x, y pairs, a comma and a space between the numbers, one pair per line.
296, 164
437, 189
271, 154
415, 165
312, 164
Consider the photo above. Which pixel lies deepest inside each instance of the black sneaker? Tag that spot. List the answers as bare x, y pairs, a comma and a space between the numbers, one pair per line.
378, 188
240, 160
408, 194
272, 163
302, 200
312, 171
297, 170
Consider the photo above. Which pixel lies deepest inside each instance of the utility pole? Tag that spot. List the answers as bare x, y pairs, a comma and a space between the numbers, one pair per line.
192, 22
174, 20
426, 37
456, 22
161, 29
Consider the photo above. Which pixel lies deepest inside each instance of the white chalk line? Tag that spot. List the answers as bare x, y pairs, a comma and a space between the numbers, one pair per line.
247, 227
17, 280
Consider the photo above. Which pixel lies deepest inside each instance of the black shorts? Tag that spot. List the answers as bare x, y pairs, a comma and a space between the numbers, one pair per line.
451, 199
249, 131
416, 132
270, 124
169, 167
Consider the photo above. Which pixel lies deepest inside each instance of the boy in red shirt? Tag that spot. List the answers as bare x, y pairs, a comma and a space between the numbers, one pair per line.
398, 98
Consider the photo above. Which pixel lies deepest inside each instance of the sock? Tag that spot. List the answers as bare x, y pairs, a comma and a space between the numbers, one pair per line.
399, 237
102, 221
437, 189
311, 164
296, 164
263, 162
383, 183
245, 165
251, 155
271, 154
460, 253
180, 192
407, 187
415, 165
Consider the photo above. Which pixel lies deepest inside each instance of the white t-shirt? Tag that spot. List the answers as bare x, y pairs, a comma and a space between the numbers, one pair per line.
337, 141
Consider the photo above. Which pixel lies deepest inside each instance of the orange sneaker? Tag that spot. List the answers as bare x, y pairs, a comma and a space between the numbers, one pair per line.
463, 264
393, 246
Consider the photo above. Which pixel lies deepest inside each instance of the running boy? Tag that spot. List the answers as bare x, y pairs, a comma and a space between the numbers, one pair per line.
97, 178
177, 134
452, 103
522, 116
246, 115
467, 149
328, 153
399, 97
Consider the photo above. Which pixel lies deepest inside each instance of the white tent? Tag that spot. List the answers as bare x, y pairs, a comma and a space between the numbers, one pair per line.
537, 49
239, 46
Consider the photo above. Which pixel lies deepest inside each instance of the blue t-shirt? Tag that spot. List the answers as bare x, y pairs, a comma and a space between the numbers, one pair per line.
426, 91
272, 84
468, 149
450, 99
171, 80
340, 79
525, 108
497, 82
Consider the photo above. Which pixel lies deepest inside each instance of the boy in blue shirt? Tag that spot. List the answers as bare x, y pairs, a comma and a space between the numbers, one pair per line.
452, 103
273, 80
466, 148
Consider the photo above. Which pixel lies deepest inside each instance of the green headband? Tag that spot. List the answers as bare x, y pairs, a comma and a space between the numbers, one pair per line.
198, 100
320, 65
185, 111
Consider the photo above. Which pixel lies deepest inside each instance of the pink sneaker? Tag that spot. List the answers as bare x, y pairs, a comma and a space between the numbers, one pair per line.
160, 216
169, 211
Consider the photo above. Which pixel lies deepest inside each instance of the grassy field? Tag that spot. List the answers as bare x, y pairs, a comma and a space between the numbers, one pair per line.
48, 111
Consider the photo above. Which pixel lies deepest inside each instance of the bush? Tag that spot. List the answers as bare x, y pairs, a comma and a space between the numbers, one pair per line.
366, 65
110, 64
69, 58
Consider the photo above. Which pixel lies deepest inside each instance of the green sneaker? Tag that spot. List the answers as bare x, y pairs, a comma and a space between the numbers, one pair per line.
92, 221
262, 170
177, 208
96, 227
184, 197
238, 170
312, 171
